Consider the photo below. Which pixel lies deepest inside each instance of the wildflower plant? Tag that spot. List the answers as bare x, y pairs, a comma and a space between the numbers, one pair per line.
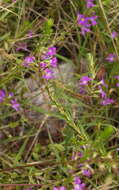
59, 94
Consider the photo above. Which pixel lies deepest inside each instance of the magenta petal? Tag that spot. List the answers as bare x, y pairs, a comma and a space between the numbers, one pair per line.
2, 95
107, 101
86, 173
111, 57
84, 80
48, 74
114, 34
15, 105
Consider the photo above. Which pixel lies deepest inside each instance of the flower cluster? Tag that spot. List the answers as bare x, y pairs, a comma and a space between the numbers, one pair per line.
85, 22
28, 61
78, 185
48, 62
13, 102
105, 100
84, 81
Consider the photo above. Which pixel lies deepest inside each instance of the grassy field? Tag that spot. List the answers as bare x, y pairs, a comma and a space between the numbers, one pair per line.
59, 95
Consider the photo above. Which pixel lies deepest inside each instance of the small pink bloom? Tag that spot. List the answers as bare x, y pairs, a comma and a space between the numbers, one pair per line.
28, 60
78, 185
30, 34
53, 62
48, 74
103, 83
114, 34
117, 77
43, 64
103, 94
2, 95
77, 180
86, 173
111, 57
107, 101
117, 84
85, 80
90, 3
92, 19
11, 94
51, 51
15, 105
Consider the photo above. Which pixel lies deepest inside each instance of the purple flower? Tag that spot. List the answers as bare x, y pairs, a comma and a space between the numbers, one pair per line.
43, 64
117, 149
84, 80
51, 51
80, 154
82, 90
28, 60
117, 84
62, 188
103, 83
84, 30
83, 20
77, 180
53, 62
80, 165
103, 94
77, 184
107, 101
15, 105
111, 57
48, 74
11, 94
86, 173
92, 19
2, 95
86, 22
90, 3
117, 77
30, 34
114, 34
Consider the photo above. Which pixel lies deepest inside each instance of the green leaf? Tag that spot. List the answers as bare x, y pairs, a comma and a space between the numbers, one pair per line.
106, 133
